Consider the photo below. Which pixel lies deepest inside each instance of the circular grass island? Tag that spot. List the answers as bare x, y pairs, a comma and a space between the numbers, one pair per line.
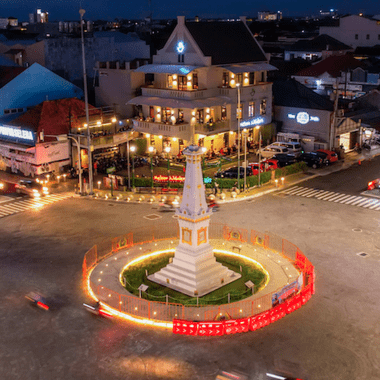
136, 274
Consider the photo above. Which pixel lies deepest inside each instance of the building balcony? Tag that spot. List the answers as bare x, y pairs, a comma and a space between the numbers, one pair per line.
181, 131
208, 129
260, 88
109, 140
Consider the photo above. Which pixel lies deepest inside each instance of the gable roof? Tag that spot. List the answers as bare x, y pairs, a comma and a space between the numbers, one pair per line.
226, 42
318, 44
53, 116
332, 65
290, 93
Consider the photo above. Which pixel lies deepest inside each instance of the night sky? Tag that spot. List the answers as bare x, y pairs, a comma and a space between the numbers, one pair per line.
137, 9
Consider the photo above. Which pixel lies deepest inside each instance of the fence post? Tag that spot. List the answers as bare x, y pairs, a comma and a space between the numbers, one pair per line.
229, 299
167, 299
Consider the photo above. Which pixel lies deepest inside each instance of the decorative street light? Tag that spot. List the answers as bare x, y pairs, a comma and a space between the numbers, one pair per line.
245, 159
133, 149
167, 150
239, 116
259, 128
114, 120
151, 149
90, 176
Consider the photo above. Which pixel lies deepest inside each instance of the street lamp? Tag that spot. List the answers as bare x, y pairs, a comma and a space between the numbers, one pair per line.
133, 149
82, 12
259, 128
79, 165
151, 164
239, 115
245, 159
114, 124
167, 150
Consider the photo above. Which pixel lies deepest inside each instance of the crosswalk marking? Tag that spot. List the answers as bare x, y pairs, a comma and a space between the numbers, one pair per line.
330, 196
29, 204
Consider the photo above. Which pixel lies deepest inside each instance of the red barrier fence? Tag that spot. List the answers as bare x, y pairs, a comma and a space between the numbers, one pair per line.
245, 315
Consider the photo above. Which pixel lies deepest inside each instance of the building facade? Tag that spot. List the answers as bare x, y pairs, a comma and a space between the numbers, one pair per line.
354, 31
197, 82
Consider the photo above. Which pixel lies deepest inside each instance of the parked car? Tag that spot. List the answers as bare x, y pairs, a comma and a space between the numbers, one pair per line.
270, 150
265, 166
233, 172
271, 163
293, 147
284, 159
312, 159
328, 156
31, 188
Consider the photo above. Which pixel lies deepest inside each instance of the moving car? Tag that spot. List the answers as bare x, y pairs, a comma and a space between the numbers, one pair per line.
233, 172
31, 188
375, 184
312, 159
284, 159
328, 156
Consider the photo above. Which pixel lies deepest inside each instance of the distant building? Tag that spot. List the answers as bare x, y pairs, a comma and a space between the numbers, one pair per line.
269, 16
38, 17
333, 13
6, 22
318, 48
354, 31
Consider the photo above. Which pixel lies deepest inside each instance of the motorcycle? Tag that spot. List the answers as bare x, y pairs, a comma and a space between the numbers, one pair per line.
37, 300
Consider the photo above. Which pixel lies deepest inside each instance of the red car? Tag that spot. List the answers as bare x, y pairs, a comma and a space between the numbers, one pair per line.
265, 165
328, 156
375, 184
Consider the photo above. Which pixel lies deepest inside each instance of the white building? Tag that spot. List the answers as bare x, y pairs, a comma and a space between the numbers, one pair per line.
354, 31
199, 76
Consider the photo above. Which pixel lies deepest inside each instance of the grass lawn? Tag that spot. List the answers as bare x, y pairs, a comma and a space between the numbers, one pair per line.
135, 276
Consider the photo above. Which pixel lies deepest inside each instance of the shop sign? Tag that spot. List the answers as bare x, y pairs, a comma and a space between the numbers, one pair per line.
254, 121
17, 133
172, 178
207, 180
303, 117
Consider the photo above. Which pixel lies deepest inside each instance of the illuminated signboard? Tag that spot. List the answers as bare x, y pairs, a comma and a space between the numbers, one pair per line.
255, 121
207, 180
164, 178
303, 117
180, 47
17, 133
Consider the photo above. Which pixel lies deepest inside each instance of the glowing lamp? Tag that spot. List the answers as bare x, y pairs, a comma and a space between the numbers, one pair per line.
114, 120
147, 135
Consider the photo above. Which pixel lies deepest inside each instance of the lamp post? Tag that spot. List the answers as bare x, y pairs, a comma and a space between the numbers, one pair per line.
167, 150
90, 177
151, 164
129, 170
238, 178
245, 159
133, 149
79, 165
259, 128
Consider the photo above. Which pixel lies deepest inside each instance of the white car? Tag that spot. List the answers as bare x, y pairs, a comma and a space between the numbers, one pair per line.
270, 150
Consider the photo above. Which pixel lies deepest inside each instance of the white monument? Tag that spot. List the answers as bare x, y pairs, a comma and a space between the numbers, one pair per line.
194, 270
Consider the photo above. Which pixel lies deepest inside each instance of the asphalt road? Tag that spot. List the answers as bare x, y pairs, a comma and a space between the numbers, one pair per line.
335, 335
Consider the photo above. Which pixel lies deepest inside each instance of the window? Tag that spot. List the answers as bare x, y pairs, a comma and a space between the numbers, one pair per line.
263, 107
181, 58
239, 78
356, 36
239, 111
182, 83
378, 36
166, 114
251, 109
200, 116
170, 81
226, 79
262, 76
20, 109
367, 37
195, 81
6, 112
224, 113
252, 78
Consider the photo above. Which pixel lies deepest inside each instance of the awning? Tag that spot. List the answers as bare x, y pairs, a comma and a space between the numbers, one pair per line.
180, 103
249, 68
167, 69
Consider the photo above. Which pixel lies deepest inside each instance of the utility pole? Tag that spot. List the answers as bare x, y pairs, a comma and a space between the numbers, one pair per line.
333, 118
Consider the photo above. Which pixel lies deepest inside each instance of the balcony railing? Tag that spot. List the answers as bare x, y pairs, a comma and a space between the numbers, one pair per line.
259, 88
110, 140
182, 131
212, 128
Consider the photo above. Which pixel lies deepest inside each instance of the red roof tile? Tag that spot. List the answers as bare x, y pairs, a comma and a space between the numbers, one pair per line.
333, 65
53, 116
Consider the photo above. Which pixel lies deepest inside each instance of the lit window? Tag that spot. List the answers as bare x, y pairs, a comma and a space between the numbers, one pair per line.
263, 107
251, 109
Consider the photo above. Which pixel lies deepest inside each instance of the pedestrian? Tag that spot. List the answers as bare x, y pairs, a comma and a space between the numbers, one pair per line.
96, 168
216, 188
